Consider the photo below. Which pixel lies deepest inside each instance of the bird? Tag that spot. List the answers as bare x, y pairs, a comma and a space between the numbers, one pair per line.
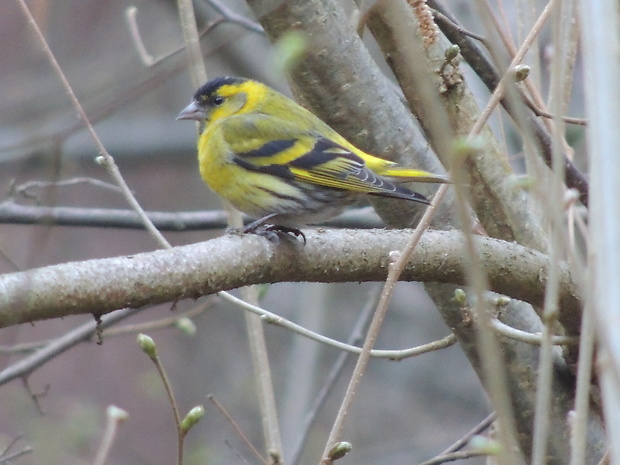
279, 163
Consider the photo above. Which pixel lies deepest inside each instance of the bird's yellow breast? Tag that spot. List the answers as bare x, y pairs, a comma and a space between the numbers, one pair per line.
248, 191
213, 158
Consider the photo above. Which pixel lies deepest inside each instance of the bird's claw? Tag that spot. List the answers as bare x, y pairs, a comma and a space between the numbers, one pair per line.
275, 232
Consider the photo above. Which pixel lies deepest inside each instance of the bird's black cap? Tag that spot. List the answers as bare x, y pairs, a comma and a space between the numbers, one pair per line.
213, 85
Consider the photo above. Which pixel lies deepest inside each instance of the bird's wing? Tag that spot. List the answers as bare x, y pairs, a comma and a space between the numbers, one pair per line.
281, 148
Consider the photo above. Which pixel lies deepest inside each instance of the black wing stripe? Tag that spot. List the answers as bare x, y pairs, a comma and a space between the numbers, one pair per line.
280, 171
311, 159
323, 152
323, 144
270, 148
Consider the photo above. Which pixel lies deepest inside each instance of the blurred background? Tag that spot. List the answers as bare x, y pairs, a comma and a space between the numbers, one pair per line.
405, 412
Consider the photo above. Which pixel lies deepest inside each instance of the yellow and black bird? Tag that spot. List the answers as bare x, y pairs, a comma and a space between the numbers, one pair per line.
276, 161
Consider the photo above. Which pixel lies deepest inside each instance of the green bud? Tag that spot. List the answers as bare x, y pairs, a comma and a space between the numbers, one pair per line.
486, 445
452, 52
460, 297
186, 326
502, 301
466, 147
339, 450
192, 417
521, 72
147, 345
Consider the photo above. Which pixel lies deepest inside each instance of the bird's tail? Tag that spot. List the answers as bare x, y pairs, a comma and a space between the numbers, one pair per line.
402, 174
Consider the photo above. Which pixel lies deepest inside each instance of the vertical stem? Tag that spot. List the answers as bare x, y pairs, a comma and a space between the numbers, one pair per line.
578, 437
493, 367
362, 361
192, 40
553, 199
262, 374
600, 22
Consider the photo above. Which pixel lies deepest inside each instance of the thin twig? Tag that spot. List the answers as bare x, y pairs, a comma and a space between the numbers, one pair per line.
23, 348
394, 271
578, 437
498, 93
272, 318
454, 456
443, 18
7, 458
334, 373
545, 114
553, 199
542, 410
11, 443
240, 457
192, 42
24, 188
59, 345
362, 361
529, 338
240, 433
114, 417
130, 15
146, 58
262, 376
232, 17
162, 323
15, 455
479, 428
173, 404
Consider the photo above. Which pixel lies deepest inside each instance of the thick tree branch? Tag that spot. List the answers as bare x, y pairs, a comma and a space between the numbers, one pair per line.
103, 285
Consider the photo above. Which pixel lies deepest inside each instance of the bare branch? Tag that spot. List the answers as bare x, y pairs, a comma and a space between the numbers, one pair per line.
76, 336
232, 17
13, 213
529, 338
101, 286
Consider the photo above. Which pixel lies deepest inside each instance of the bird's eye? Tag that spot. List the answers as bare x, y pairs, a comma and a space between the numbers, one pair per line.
217, 100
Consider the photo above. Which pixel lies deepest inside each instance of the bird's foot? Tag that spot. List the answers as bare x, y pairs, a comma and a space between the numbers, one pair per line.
274, 232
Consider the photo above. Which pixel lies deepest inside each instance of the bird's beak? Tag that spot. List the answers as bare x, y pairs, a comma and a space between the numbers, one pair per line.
193, 111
